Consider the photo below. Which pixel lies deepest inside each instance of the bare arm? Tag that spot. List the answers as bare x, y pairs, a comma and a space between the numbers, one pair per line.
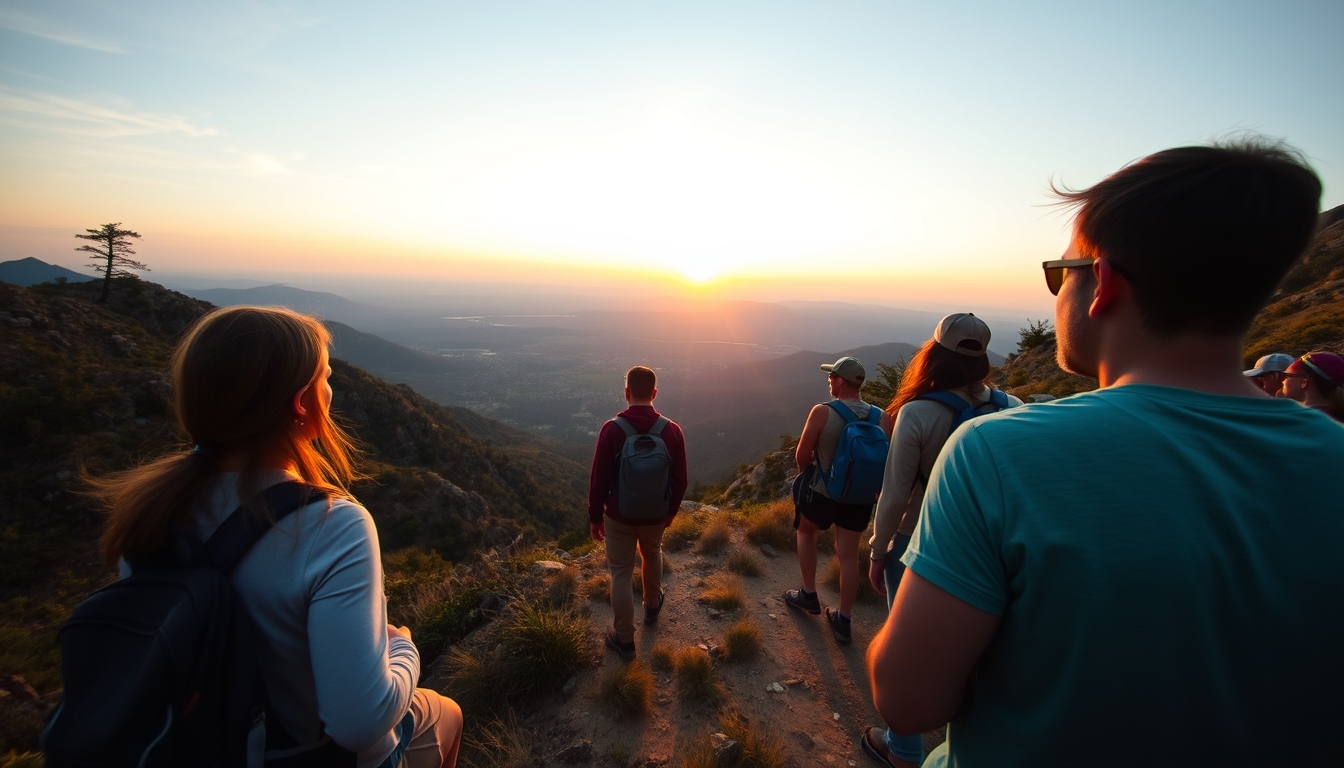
920, 663
807, 444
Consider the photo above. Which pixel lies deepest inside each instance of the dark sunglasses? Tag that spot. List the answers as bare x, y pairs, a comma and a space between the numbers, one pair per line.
1054, 271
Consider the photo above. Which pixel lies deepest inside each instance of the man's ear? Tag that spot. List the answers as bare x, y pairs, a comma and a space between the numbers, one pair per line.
653, 396
300, 407
1111, 288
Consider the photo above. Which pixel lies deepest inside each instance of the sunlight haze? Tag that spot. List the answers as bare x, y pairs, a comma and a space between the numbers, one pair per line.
885, 152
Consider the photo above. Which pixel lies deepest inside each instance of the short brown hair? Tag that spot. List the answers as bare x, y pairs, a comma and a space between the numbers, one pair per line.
1204, 234
641, 381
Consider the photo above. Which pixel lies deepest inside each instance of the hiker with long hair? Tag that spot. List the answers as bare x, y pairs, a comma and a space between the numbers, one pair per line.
954, 362
1316, 380
251, 392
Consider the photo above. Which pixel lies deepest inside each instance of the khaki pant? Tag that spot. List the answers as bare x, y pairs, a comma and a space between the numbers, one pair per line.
438, 731
621, 542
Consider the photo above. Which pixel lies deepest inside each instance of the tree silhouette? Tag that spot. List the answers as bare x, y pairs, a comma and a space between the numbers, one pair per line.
113, 258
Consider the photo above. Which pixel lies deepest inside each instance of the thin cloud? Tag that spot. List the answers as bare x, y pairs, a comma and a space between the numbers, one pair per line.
30, 25
75, 116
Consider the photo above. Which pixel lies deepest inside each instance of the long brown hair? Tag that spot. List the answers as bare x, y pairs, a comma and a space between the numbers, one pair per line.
935, 367
235, 375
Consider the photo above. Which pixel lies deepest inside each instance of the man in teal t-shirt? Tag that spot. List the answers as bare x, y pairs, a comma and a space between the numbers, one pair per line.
1117, 578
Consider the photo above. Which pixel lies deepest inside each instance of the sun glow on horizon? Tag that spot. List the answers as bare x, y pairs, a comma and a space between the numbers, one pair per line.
678, 189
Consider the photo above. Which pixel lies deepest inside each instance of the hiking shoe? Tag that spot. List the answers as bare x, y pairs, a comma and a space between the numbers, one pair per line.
796, 599
626, 651
651, 614
839, 626
874, 741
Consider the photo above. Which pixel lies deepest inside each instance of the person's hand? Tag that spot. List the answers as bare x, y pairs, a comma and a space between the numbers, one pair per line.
599, 531
876, 569
398, 632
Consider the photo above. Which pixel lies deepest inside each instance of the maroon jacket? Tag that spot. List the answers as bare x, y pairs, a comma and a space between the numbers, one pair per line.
602, 481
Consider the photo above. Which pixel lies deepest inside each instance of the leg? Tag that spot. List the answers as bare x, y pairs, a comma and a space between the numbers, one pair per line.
807, 553
438, 731
651, 567
847, 550
621, 541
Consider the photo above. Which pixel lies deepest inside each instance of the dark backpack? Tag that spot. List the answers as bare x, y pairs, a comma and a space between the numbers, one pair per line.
860, 459
643, 472
159, 668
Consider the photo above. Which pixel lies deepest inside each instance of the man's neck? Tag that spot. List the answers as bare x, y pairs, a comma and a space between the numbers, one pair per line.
633, 403
1200, 362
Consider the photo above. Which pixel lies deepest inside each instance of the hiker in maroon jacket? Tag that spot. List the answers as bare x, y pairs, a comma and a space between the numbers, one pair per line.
644, 527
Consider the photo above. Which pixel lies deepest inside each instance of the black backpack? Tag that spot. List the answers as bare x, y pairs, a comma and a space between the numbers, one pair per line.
643, 472
159, 667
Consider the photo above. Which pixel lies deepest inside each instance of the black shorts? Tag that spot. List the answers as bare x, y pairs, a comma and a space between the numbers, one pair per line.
822, 511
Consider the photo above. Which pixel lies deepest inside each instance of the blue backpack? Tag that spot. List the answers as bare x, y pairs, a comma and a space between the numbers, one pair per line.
643, 472
860, 457
965, 411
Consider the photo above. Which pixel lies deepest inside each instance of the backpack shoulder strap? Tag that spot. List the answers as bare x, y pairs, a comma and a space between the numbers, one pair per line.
657, 429
626, 427
998, 397
874, 414
240, 530
946, 398
844, 410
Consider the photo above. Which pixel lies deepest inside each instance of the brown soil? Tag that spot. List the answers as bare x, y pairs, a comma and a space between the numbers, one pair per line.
818, 718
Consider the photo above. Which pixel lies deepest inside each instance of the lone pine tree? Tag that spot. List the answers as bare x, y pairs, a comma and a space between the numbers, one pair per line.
112, 256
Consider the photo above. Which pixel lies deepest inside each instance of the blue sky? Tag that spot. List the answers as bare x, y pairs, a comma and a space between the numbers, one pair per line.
896, 150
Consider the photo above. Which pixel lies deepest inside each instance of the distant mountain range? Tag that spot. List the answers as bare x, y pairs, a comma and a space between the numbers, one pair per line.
31, 271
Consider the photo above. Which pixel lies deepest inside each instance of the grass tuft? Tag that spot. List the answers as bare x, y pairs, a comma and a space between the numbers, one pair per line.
744, 563
663, 656
716, 536
542, 647
598, 587
742, 641
564, 588
723, 591
695, 675
499, 743
685, 528
772, 524
627, 689
761, 748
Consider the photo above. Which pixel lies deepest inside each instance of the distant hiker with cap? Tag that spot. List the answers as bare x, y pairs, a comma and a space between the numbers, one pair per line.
1114, 578
840, 457
943, 387
1268, 372
634, 491
1316, 380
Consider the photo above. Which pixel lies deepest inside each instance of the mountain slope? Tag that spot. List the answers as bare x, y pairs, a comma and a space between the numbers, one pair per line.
83, 388
1307, 312
31, 271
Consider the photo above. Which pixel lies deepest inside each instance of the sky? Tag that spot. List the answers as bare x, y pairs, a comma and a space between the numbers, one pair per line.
887, 152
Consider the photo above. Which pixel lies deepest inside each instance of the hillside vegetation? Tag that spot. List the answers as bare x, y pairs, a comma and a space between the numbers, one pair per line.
84, 389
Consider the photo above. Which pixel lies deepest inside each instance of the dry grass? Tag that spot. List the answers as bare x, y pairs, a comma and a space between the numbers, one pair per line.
499, 743
742, 641
723, 591
564, 589
685, 528
761, 748
772, 524
744, 563
716, 536
695, 676
598, 587
627, 689
663, 656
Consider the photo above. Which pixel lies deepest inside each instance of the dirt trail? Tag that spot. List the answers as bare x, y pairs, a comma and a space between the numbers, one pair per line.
818, 717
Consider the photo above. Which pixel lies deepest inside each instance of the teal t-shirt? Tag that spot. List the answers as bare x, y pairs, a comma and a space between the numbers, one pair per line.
1168, 567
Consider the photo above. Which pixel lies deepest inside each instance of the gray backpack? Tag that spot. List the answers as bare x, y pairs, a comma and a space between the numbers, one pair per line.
643, 477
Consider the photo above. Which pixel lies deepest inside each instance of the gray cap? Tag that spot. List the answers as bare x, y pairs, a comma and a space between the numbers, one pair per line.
963, 333
1275, 363
847, 368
